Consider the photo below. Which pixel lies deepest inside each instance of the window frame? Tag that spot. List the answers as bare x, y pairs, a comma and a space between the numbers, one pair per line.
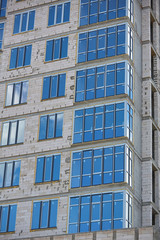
128, 77
62, 16
53, 49
44, 165
17, 57
128, 46
12, 174
1, 40
8, 217
40, 213
3, 9
127, 173
13, 93
129, 12
124, 202
21, 19
9, 132
50, 86
47, 125
126, 134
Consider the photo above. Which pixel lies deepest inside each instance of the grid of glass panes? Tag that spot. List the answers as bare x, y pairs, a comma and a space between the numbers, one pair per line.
96, 212
44, 214
13, 132
3, 5
101, 166
129, 122
107, 42
8, 218
16, 93
59, 14
103, 81
128, 211
9, 173
93, 11
24, 22
102, 122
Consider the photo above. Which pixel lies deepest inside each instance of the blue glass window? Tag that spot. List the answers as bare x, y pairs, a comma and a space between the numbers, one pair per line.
59, 14
24, 22
104, 81
54, 86
102, 122
98, 212
9, 174
101, 166
51, 126
44, 214
48, 168
8, 218
20, 57
12, 132
105, 42
3, 6
1, 34
93, 11
16, 93
56, 49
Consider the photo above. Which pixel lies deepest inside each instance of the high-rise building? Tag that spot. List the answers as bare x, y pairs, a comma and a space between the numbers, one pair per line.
79, 119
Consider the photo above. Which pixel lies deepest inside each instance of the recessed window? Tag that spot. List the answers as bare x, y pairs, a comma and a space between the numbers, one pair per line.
59, 14
103, 122
44, 214
51, 126
9, 173
48, 168
24, 22
54, 86
3, 5
99, 212
16, 93
13, 132
105, 42
20, 57
56, 49
101, 166
102, 10
1, 34
104, 81
8, 218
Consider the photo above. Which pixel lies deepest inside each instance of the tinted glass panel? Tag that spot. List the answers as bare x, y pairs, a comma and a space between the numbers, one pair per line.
12, 218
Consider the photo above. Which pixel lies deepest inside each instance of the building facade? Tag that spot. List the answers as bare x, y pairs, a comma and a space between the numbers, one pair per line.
79, 119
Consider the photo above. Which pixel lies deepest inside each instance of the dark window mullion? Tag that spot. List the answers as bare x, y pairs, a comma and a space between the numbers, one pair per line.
24, 54
102, 167
101, 211
116, 40
20, 92
17, 129
83, 125
9, 133
90, 213
92, 162
49, 211
104, 121
57, 90
60, 48
87, 47
9, 207
47, 127
89, 2
13, 94
44, 168
115, 80
106, 43
52, 164
55, 126
94, 116
40, 215
85, 84
0, 216
112, 215
113, 168
5, 167
81, 168
79, 217
116, 8
53, 50
97, 37
114, 122
13, 163
95, 83
50, 86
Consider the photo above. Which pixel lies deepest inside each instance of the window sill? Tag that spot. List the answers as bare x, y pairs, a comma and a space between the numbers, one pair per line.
3, 188
4, 233
15, 34
100, 141
58, 24
103, 22
1, 18
56, 60
43, 100
15, 105
49, 139
11, 145
43, 183
42, 229
18, 68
